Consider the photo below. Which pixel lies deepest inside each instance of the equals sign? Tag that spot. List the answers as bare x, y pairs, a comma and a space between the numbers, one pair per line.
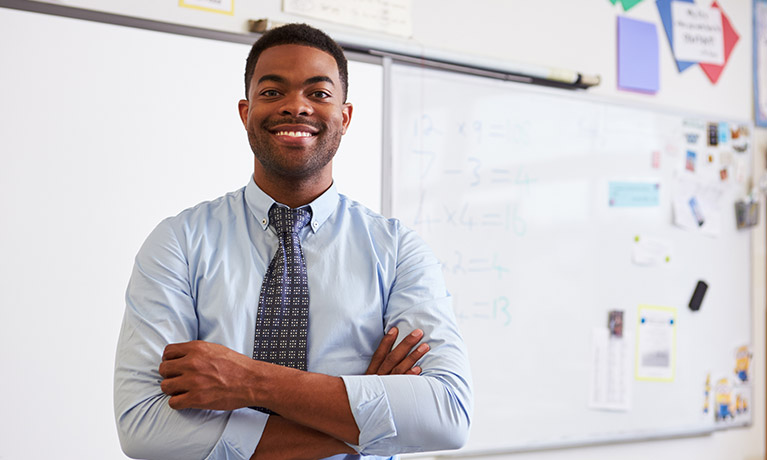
497, 131
500, 175
491, 220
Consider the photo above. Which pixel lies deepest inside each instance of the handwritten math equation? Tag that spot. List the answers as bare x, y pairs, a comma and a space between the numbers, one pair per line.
466, 181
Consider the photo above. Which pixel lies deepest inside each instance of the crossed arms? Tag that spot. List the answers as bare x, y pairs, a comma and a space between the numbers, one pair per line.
195, 404
315, 417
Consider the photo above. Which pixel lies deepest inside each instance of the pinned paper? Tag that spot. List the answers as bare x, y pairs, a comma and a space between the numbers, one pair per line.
664, 9
743, 359
713, 134
724, 132
729, 39
697, 206
634, 194
689, 163
724, 409
611, 373
656, 343
732, 401
650, 251
714, 71
213, 6
637, 55
697, 33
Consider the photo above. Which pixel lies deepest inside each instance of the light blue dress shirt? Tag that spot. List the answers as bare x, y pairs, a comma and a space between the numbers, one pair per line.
198, 277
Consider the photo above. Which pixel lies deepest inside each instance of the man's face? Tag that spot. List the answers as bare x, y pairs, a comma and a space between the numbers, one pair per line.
295, 114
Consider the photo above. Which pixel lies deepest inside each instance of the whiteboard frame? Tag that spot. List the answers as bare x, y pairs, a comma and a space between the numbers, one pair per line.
638, 436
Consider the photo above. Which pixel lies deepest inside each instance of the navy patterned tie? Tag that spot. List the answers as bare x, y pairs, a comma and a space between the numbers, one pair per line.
283, 307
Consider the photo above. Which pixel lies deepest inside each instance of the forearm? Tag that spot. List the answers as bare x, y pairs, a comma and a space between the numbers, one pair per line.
285, 439
316, 401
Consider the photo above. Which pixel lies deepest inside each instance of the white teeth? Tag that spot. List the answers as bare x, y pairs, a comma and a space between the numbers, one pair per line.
294, 133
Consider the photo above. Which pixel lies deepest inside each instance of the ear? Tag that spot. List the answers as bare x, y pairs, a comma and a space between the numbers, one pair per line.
242, 107
346, 111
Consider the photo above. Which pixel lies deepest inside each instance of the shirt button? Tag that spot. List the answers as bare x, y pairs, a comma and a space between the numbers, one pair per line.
315, 224
263, 221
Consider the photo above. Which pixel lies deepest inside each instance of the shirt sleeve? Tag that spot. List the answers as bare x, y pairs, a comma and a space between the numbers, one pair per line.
431, 411
160, 310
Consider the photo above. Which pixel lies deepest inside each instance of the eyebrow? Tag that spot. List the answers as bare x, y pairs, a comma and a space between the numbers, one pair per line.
309, 81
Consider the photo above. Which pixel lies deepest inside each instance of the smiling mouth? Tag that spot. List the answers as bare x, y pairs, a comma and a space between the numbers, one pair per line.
293, 133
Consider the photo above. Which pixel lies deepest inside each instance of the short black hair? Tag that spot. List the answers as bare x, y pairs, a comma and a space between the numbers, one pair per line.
297, 34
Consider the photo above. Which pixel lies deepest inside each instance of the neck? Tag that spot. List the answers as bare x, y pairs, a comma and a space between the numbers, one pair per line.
292, 192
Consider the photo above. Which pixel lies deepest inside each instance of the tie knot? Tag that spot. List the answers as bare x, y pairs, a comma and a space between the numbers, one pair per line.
287, 220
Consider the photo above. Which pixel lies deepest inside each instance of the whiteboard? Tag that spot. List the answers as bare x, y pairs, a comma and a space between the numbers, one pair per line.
105, 131
512, 188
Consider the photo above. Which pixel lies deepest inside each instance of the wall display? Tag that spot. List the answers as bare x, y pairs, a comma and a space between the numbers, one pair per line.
549, 210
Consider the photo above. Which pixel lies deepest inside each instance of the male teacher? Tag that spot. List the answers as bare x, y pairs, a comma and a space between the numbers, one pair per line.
262, 324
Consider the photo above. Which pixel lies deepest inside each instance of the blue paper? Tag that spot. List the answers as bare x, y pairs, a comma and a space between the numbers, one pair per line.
664, 8
724, 132
634, 194
637, 55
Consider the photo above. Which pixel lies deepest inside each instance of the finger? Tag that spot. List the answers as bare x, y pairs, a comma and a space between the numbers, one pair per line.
383, 348
415, 370
172, 387
400, 352
180, 401
408, 363
170, 369
174, 351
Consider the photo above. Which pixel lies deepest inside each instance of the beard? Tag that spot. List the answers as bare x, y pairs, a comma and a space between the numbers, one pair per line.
294, 163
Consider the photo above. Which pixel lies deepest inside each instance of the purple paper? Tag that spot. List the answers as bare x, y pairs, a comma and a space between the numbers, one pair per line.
637, 55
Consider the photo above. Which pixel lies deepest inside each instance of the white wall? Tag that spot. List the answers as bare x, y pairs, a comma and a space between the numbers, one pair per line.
580, 35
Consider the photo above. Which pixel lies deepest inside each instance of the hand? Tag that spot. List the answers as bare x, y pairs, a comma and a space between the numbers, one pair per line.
204, 375
397, 361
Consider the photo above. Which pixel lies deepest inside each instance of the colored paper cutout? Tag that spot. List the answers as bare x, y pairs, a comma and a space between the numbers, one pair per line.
637, 55
664, 8
627, 4
713, 71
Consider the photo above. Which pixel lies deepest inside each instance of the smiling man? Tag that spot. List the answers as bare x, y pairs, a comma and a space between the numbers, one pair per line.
263, 324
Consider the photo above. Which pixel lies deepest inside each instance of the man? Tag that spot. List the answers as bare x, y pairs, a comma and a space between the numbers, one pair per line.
200, 372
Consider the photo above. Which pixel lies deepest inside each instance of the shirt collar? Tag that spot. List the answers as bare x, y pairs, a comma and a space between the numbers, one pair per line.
259, 204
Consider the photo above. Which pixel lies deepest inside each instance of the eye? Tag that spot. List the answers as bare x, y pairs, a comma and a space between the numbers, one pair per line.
320, 94
269, 93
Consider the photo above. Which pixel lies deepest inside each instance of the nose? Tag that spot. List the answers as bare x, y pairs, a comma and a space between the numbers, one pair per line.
296, 104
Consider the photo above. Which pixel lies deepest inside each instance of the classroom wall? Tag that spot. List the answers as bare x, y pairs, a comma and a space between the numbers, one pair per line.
579, 35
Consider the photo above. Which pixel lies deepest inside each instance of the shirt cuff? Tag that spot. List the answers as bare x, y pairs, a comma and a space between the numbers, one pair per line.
241, 436
370, 408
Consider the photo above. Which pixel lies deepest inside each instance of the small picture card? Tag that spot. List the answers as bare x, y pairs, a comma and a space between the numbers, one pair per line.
212, 6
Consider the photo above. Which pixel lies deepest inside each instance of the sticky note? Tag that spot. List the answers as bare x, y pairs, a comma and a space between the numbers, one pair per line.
634, 194
637, 55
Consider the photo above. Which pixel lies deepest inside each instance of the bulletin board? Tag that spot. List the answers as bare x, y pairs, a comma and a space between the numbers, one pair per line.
549, 210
